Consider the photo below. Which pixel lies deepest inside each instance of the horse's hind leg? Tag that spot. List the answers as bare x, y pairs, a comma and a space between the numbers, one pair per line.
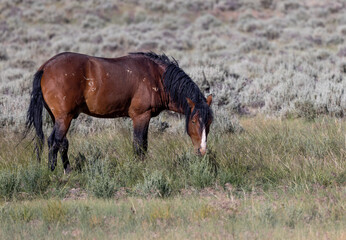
63, 153
56, 142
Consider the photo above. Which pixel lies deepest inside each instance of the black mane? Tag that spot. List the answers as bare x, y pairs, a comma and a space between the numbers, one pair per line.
180, 86
159, 59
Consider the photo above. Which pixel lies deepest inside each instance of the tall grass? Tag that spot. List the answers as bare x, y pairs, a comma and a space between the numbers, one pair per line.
273, 179
267, 154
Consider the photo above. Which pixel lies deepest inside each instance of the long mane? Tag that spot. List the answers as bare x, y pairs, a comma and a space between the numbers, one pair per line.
180, 86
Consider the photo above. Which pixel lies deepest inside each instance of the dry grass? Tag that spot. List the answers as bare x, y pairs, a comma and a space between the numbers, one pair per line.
211, 214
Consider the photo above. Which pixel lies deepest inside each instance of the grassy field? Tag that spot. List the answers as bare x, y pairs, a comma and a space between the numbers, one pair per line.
208, 215
265, 178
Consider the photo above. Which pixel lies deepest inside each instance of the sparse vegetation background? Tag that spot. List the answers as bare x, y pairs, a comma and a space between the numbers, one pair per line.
276, 165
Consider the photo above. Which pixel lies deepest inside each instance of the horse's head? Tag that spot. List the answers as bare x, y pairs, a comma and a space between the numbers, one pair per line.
198, 123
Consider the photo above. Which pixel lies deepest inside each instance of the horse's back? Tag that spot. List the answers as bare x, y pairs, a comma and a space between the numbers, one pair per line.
102, 87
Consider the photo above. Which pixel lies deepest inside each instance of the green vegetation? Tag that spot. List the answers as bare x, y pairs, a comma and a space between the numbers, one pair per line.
268, 153
209, 214
275, 178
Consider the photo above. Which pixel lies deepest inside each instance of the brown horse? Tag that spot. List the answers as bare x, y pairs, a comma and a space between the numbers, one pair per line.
138, 86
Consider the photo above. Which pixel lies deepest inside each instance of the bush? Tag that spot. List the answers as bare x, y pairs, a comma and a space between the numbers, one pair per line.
155, 184
99, 180
35, 179
306, 110
8, 184
227, 124
201, 172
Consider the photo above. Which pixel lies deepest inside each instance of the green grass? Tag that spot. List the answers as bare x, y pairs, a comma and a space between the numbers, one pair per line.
269, 153
275, 179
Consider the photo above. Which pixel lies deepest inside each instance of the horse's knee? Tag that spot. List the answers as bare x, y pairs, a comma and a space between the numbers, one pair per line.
57, 141
54, 143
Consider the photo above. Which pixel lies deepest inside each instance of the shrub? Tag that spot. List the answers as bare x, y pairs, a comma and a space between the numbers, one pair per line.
3, 54
35, 179
128, 171
155, 184
229, 124
207, 22
99, 180
254, 44
306, 110
267, 3
158, 125
8, 184
201, 172
229, 5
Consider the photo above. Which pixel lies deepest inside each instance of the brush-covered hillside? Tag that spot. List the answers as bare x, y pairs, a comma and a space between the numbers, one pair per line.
283, 58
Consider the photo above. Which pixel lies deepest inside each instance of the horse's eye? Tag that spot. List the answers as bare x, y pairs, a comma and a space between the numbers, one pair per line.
193, 121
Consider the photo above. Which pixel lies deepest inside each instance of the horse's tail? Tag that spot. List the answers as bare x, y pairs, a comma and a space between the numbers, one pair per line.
34, 113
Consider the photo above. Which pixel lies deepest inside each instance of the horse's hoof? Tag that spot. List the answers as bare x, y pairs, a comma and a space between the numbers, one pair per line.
67, 170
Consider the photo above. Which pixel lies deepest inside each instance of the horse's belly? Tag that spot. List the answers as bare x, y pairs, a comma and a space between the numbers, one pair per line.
108, 105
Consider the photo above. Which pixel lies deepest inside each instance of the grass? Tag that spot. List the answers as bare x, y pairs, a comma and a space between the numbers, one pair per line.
273, 179
215, 214
268, 153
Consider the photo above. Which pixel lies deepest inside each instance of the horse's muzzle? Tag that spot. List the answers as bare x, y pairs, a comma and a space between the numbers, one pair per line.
201, 152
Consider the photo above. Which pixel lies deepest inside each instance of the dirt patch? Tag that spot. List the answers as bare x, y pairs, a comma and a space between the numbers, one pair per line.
76, 194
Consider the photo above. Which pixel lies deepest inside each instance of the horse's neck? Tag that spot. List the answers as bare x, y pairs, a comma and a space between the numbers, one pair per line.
175, 108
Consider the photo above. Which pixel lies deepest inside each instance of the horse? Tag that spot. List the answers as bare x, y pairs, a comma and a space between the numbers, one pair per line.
139, 85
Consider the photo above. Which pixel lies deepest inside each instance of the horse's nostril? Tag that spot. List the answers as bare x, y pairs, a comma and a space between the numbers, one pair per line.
199, 151
202, 152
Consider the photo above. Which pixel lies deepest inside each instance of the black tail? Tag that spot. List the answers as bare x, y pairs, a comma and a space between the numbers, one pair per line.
34, 114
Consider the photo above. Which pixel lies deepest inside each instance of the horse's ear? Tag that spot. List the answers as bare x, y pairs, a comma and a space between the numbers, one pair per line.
209, 99
191, 103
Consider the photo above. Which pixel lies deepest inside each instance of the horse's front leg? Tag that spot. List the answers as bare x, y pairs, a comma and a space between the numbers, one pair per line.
140, 133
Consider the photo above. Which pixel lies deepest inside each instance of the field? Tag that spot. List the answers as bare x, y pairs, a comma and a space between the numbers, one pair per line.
276, 165
272, 179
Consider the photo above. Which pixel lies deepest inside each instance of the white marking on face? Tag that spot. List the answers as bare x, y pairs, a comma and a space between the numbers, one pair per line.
204, 140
